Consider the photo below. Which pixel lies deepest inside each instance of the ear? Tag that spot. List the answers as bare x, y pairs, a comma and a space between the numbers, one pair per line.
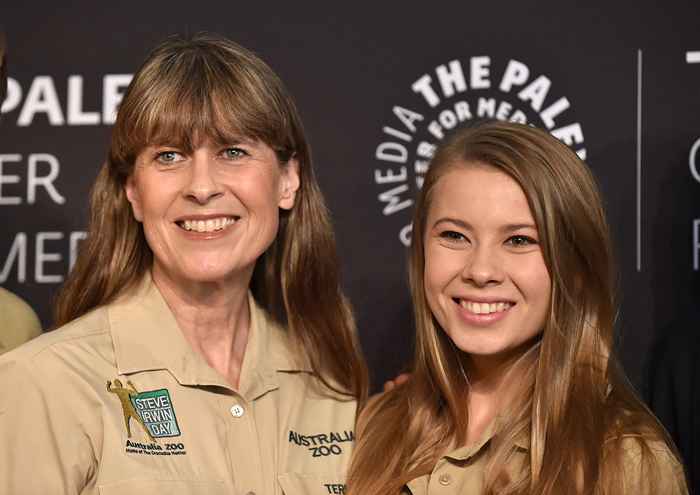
132, 194
289, 184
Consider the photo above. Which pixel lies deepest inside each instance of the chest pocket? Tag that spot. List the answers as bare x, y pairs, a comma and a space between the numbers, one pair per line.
171, 487
312, 484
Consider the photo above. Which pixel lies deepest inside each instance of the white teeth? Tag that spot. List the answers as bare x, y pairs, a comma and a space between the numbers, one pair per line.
211, 225
484, 308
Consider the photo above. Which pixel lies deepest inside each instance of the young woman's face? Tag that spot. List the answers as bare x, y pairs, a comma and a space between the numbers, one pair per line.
485, 279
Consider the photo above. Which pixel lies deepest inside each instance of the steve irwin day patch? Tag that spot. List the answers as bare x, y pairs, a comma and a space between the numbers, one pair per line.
151, 411
157, 413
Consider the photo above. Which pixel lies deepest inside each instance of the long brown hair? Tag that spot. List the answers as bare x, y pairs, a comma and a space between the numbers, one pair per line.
573, 403
209, 86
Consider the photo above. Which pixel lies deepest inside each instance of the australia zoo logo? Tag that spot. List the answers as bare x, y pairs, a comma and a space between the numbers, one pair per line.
453, 93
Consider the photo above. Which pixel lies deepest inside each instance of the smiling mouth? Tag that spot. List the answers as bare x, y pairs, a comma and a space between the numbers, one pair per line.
482, 308
209, 225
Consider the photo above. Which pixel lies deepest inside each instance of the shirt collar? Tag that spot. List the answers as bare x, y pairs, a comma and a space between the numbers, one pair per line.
464, 453
147, 337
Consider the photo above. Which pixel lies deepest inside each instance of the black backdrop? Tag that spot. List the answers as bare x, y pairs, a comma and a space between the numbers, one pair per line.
621, 84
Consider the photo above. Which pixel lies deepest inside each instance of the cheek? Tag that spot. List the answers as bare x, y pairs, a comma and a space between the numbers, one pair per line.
441, 268
537, 286
431, 275
260, 192
442, 265
154, 194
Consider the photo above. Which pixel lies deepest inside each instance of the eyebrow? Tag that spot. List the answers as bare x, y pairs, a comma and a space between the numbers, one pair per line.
232, 141
511, 227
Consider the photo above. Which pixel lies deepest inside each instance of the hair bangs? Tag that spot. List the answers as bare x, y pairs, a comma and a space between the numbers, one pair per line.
202, 97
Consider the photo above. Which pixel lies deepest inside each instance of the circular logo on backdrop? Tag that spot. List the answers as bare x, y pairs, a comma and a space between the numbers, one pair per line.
451, 94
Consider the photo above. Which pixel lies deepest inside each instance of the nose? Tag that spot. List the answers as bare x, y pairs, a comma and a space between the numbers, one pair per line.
203, 185
483, 267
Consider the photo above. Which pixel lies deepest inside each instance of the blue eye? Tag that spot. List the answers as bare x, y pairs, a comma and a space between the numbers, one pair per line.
168, 156
234, 153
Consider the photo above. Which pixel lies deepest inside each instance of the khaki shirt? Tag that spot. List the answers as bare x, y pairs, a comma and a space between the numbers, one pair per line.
461, 471
18, 323
171, 424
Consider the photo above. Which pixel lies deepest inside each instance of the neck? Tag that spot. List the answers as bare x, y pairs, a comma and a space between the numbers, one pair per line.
493, 383
214, 318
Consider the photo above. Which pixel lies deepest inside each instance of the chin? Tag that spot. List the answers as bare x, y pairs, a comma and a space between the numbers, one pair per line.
205, 269
201, 272
478, 346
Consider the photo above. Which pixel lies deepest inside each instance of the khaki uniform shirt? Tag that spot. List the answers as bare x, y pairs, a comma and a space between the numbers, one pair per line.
18, 323
461, 471
117, 402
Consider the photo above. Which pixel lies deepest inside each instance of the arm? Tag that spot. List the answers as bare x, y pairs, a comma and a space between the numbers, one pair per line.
44, 449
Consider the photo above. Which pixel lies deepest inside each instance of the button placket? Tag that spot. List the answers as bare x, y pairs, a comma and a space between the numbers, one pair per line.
244, 461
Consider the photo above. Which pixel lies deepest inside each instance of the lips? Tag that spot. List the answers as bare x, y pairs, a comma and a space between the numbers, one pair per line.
206, 225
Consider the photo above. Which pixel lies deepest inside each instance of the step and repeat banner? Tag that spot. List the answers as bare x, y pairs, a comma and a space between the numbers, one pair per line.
378, 87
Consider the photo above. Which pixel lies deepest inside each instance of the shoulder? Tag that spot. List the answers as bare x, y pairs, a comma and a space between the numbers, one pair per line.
21, 323
648, 462
86, 335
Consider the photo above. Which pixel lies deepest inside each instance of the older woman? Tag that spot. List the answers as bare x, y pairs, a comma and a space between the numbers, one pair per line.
204, 343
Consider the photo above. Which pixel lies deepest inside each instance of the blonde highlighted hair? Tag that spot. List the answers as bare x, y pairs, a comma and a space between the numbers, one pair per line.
208, 86
574, 405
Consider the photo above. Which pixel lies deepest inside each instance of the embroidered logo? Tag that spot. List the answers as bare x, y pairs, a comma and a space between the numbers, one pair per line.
322, 444
153, 410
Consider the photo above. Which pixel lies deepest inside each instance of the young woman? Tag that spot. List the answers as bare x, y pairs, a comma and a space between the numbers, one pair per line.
515, 388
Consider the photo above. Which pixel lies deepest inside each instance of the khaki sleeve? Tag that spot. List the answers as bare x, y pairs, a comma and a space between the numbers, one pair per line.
44, 449
668, 479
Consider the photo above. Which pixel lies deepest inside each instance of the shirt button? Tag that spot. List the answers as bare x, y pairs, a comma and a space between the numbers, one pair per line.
237, 411
445, 479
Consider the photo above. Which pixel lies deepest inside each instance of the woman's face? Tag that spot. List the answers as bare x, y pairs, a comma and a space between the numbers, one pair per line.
485, 279
209, 214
